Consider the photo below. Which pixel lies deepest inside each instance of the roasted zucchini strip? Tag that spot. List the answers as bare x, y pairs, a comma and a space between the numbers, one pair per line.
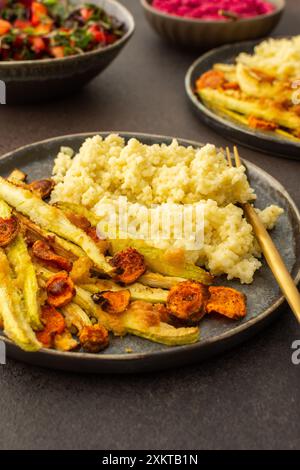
136, 324
249, 107
243, 119
159, 281
84, 299
23, 267
154, 257
137, 291
16, 326
52, 219
75, 317
19, 258
61, 246
17, 175
79, 210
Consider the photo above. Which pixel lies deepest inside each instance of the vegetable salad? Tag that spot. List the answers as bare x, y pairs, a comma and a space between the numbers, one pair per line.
42, 29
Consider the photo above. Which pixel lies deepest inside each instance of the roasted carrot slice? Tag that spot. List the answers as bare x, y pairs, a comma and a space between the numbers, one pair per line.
256, 123
42, 251
226, 301
9, 228
112, 302
42, 188
94, 338
129, 264
60, 290
211, 79
164, 314
231, 86
54, 324
186, 301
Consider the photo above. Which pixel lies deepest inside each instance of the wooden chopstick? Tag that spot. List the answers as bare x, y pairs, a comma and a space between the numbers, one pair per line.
270, 251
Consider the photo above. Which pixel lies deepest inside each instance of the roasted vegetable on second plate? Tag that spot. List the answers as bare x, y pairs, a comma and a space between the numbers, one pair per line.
257, 98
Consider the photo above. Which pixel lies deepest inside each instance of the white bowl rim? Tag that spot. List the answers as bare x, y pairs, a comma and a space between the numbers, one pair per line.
94, 52
148, 6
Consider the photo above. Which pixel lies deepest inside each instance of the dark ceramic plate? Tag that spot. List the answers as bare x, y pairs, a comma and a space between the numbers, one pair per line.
258, 140
34, 81
217, 334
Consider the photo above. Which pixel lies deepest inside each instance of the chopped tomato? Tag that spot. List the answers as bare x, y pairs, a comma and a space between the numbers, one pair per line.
64, 30
111, 38
18, 42
57, 51
97, 33
5, 26
38, 44
38, 12
86, 13
22, 24
43, 28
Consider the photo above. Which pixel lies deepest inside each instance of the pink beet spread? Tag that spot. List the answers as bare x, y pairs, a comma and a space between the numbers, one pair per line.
212, 9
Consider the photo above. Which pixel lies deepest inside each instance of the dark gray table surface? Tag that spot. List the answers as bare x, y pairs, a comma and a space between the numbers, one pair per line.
246, 399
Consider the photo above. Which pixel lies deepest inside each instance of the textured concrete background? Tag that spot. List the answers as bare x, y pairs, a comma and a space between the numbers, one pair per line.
246, 399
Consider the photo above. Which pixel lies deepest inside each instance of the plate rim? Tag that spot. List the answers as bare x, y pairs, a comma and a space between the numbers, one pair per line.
230, 123
172, 351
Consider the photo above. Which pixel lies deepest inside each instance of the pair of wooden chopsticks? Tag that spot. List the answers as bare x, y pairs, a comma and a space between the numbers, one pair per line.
269, 250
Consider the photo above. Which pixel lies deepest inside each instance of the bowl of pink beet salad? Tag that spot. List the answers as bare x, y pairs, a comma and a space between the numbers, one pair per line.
204, 24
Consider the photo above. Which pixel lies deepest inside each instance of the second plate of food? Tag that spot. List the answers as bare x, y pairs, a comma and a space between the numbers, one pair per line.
249, 93
83, 299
